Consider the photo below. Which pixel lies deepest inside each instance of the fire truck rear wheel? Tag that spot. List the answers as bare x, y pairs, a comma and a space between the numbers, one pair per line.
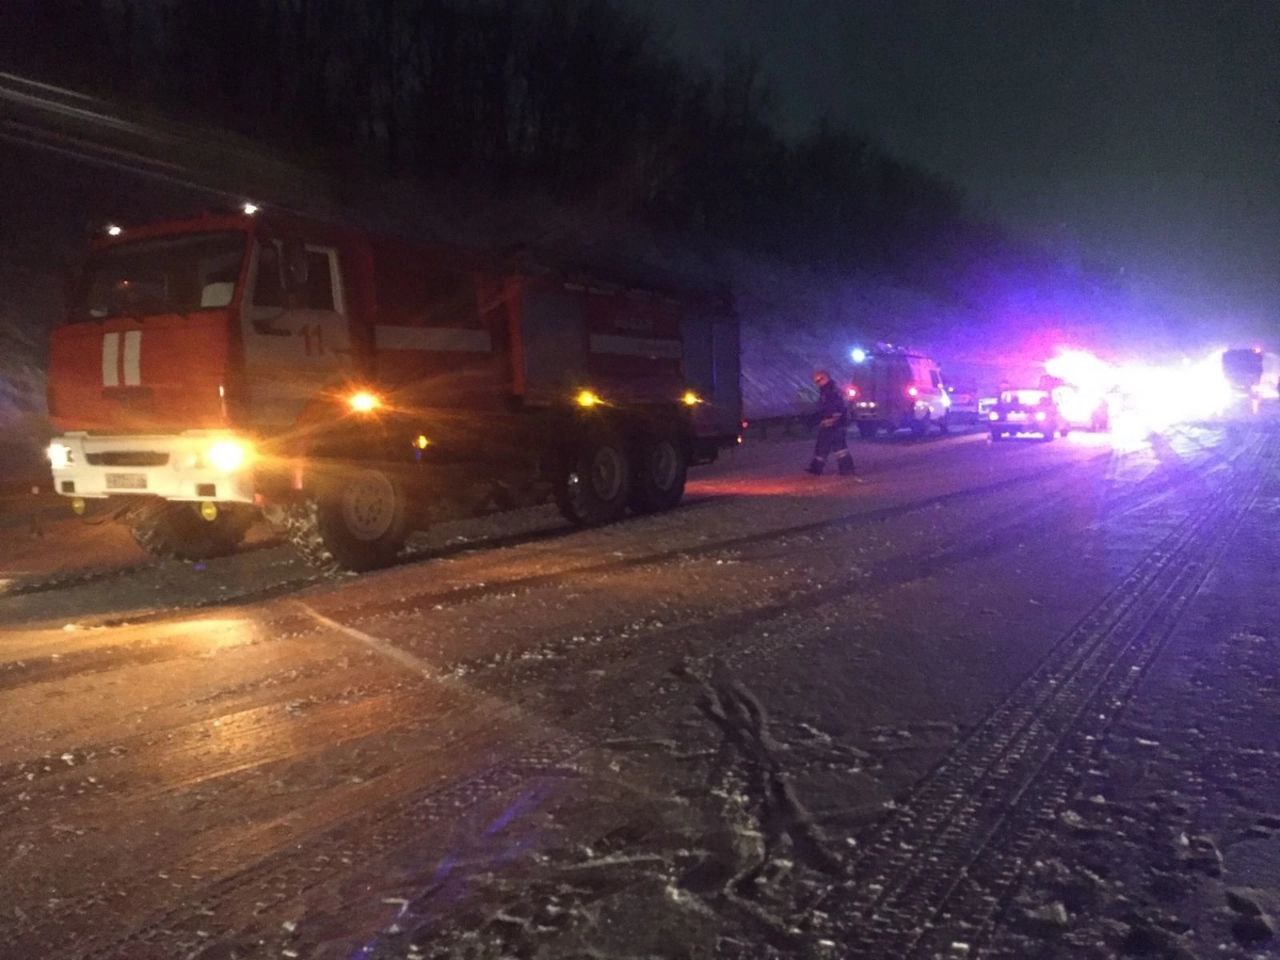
866, 430
594, 485
357, 521
177, 531
661, 470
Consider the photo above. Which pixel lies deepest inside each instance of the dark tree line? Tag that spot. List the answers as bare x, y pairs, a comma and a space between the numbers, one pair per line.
574, 98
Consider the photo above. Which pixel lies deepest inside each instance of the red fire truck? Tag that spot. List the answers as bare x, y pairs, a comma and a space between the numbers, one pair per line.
352, 388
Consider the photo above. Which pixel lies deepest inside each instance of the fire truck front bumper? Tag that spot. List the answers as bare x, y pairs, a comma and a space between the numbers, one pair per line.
191, 466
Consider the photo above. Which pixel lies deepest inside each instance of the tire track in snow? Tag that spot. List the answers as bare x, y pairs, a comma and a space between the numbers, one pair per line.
934, 875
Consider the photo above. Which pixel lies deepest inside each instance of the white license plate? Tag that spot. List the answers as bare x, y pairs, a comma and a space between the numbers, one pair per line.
1017, 416
126, 481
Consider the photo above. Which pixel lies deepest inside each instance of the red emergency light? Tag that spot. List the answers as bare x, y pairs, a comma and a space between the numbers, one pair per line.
913, 392
853, 392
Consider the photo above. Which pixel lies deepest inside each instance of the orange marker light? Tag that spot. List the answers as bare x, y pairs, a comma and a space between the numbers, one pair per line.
691, 399
587, 398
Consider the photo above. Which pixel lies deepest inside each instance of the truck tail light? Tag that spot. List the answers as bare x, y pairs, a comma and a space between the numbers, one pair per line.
853, 392
913, 392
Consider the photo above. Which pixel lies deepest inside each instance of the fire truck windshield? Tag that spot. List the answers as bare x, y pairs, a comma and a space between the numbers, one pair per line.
162, 275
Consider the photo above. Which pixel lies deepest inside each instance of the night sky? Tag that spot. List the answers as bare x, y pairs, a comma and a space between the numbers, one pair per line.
1147, 133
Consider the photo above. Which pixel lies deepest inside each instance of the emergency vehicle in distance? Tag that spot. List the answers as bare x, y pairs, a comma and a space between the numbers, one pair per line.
1251, 377
1243, 369
1083, 409
893, 389
351, 387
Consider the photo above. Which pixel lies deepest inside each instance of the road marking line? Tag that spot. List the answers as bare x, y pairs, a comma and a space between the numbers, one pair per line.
383, 647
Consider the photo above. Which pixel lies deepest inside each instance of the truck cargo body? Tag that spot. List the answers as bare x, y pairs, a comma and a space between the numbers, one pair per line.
235, 363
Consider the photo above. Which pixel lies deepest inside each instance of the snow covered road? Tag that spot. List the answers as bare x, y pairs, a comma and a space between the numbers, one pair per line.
795, 717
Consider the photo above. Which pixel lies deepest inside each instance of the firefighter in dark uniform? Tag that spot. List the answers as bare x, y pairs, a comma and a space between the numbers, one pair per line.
831, 418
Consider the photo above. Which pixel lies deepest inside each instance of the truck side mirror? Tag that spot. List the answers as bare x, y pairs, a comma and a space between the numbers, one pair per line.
296, 269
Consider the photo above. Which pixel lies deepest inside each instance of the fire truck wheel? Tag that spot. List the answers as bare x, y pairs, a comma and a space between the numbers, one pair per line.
177, 531
595, 485
661, 469
356, 522
866, 430
944, 424
919, 428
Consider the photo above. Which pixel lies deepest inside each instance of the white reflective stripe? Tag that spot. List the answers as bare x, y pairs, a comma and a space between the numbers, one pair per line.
441, 339
133, 358
636, 346
111, 359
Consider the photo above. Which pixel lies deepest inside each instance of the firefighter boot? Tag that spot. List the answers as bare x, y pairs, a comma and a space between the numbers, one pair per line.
844, 465
816, 466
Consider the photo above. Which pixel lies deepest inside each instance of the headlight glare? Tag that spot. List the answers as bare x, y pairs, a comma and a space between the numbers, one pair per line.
59, 456
228, 456
364, 402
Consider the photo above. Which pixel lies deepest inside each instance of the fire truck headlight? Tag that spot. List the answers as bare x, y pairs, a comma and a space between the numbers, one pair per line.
993, 416
59, 456
228, 456
364, 402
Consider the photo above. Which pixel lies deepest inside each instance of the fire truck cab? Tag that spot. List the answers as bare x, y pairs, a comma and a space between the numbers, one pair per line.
352, 387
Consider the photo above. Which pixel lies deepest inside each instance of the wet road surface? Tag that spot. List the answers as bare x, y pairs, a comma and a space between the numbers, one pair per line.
795, 717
